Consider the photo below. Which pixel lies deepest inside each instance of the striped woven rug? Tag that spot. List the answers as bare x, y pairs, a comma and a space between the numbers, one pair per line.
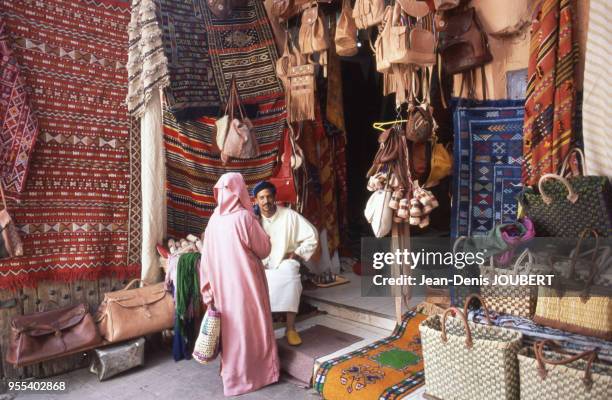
241, 46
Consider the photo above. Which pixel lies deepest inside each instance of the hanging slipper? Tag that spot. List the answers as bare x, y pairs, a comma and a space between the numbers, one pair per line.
416, 210
404, 208
395, 199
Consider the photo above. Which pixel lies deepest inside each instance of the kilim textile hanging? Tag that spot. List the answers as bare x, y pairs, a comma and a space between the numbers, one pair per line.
187, 31
551, 94
388, 369
79, 214
242, 46
488, 154
18, 124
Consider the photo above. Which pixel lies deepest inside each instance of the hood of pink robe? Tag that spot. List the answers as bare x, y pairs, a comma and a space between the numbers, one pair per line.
231, 194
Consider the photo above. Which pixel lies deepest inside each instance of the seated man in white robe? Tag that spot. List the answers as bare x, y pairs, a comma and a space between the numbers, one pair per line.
294, 240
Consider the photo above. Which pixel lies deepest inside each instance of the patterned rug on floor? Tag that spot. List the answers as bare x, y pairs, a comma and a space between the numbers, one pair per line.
241, 46
488, 154
390, 368
79, 214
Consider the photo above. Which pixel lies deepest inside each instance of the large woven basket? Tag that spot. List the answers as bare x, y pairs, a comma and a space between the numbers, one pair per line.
468, 361
516, 300
549, 375
206, 346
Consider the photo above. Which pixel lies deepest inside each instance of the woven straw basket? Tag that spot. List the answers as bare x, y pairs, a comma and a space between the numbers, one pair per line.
516, 300
206, 346
548, 375
468, 361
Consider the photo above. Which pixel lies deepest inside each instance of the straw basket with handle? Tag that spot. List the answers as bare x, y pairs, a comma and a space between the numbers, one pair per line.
555, 375
207, 345
469, 361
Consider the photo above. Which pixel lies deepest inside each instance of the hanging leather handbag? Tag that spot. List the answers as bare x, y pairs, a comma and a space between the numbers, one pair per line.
378, 213
368, 13
419, 127
462, 44
284, 9
313, 36
284, 181
220, 8
129, 313
240, 142
412, 42
51, 334
346, 32
10, 242
301, 104
382, 46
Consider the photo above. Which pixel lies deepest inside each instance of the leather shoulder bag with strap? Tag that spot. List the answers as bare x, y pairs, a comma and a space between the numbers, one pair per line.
346, 32
368, 13
240, 142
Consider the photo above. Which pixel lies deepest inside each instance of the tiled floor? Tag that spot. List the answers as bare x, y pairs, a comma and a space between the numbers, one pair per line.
162, 378
350, 294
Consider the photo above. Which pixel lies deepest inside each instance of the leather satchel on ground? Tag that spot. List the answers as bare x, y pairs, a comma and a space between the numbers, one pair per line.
463, 43
51, 334
10, 242
126, 314
346, 32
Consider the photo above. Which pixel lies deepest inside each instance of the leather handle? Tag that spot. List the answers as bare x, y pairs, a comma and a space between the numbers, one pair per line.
476, 296
567, 160
538, 348
572, 196
129, 285
525, 254
468, 333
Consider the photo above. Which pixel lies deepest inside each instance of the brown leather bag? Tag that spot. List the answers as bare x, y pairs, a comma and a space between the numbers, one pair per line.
10, 242
346, 32
220, 8
301, 106
412, 42
126, 314
462, 43
51, 334
382, 46
240, 142
313, 36
368, 13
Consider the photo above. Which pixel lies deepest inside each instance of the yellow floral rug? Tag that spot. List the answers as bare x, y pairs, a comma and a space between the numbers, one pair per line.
388, 369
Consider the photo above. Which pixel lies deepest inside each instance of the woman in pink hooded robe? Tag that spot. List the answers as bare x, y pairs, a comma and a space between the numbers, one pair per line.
232, 278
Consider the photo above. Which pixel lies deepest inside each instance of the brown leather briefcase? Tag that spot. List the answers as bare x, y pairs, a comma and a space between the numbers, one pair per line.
51, 334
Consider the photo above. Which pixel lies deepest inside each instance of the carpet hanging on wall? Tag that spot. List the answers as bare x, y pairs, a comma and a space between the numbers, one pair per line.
79, 214
241, 46
488, 154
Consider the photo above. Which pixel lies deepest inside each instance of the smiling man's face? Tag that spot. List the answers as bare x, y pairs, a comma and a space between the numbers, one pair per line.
265, 200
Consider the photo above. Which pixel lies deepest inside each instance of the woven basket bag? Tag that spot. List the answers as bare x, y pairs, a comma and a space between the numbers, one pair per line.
554, 375
206, 346
516, 300
468, 361
575, 305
